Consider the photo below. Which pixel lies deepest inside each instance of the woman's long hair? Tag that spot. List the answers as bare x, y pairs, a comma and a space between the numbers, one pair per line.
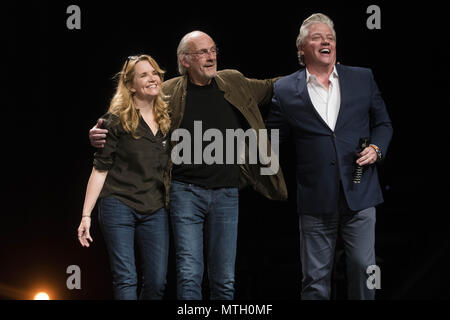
122, 104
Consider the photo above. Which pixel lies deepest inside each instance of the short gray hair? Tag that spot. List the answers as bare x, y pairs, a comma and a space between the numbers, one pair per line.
304, 30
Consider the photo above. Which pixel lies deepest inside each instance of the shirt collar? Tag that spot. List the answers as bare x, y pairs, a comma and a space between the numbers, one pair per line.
311, 77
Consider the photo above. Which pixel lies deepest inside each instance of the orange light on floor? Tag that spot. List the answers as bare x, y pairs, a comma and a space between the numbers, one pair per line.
41, 296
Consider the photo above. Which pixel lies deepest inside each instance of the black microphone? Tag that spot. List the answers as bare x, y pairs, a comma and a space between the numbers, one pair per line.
363, 143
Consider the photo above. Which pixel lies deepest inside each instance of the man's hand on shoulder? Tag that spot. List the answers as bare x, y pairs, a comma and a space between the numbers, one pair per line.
97, 135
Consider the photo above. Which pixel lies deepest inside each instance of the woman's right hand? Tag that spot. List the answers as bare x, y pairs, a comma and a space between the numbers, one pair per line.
83, 231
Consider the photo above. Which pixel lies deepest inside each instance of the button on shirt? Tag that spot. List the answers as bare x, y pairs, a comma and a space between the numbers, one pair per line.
326, 102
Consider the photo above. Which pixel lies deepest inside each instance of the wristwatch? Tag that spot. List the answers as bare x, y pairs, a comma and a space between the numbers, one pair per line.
378, 151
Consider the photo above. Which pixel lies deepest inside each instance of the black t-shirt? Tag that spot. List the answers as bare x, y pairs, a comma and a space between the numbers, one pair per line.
208, 105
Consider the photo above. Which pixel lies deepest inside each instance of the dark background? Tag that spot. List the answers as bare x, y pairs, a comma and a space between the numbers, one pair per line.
59, 82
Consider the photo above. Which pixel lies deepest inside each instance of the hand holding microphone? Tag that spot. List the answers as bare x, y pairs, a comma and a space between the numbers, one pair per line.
362, 160
367, 156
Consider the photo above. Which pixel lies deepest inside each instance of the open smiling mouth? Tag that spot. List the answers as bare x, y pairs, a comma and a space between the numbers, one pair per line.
325, 51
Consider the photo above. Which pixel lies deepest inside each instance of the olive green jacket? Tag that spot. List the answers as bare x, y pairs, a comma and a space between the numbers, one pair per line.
245, 95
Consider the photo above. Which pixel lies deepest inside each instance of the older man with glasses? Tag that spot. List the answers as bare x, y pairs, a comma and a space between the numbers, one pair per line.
204, 197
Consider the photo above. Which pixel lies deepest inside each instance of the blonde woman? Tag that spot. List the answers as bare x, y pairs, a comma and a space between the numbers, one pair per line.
130, 178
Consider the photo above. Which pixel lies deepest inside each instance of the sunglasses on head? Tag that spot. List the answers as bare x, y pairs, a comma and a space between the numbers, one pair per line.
128, 60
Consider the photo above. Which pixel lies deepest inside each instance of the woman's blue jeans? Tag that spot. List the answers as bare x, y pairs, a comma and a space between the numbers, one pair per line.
122, 227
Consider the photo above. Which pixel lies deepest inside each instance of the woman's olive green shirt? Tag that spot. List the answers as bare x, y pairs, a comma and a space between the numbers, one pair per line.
137, 168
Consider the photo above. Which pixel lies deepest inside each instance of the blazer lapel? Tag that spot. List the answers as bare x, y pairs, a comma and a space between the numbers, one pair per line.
306, 99
231, 96
343, 85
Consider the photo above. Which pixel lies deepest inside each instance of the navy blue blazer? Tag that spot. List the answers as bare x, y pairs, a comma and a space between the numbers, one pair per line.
323, 157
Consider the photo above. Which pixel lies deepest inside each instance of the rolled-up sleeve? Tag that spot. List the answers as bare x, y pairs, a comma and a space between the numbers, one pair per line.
104, 157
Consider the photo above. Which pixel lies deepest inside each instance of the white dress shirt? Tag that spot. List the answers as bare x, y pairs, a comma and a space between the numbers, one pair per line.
326, 102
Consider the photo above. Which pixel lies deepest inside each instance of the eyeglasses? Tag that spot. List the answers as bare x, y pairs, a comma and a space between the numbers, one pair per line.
204, 52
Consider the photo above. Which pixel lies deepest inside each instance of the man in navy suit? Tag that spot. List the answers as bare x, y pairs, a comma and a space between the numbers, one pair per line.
327, 108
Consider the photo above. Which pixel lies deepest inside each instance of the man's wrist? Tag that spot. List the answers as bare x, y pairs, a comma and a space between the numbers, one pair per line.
378, 151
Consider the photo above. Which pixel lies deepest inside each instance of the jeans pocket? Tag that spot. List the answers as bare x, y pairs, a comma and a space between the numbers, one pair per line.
113, 211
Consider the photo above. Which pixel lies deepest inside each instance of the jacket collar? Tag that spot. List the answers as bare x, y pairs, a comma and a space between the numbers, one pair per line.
221, 84
304, 96
303, 91
343, 85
